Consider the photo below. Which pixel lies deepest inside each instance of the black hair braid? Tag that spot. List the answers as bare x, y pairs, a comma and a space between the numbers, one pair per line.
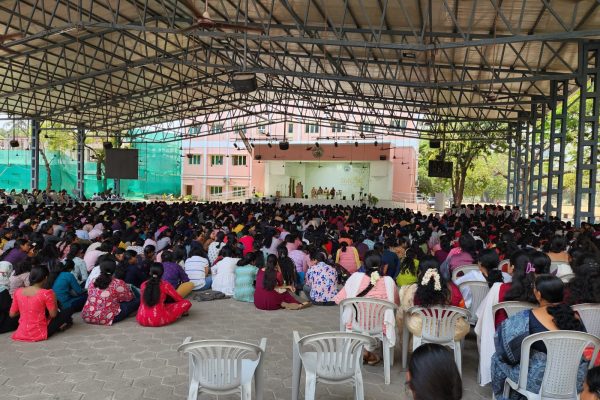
564, 317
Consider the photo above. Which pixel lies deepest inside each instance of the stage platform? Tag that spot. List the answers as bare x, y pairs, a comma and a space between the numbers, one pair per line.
350, 203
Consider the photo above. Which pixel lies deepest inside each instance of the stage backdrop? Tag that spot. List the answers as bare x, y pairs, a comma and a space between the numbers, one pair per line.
372, 177
347, 178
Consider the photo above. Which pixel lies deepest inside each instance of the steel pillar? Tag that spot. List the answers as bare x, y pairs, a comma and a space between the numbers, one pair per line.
511, 182
36, 127
586, 174
521, 166
117, 181
536, 150
559, 99
80, 161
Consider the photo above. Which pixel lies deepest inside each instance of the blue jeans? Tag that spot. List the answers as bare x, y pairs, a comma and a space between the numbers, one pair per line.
207, 284
128, 308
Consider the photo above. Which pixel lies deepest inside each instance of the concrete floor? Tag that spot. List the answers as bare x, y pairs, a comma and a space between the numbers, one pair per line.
127, 361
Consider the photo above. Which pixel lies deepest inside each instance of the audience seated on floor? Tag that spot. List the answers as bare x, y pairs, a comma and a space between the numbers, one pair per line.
245, 276
154, 309
321, 280
37, 309
110, 299
267, 254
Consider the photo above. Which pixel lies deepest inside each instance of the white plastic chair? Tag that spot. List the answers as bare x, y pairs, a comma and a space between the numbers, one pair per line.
368, 317
511, 307
564, 352
478, 291
589, 314
224, 367
560, 268
463, 269
439, 326
328, 357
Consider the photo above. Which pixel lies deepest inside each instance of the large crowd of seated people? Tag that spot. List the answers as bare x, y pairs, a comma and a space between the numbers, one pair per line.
36, 196
113, 261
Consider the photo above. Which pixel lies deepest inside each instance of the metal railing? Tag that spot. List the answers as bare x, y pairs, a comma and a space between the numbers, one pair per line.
234, 195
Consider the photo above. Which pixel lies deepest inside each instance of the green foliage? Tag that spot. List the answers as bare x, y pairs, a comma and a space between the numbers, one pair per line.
465, 151
486, 182
427, 185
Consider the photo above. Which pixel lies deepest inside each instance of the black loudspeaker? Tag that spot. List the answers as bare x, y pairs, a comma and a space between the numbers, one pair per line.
14, 143
435, 144
440, 169
284, 145
107, 145
382, 158
244, 82
258, 157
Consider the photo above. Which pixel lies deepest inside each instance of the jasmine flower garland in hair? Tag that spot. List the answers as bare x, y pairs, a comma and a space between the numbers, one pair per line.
374, 278
432, 273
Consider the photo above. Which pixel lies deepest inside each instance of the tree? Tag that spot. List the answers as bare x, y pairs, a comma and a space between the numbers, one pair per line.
427, 185
463, 150
486, 182
59, 140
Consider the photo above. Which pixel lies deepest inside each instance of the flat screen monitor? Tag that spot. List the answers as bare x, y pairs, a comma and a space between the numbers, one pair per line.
121, 163
440, 169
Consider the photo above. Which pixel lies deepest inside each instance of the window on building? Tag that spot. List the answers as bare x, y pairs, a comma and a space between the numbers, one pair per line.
398, 124
290, 127
216, 160
338, 127
193, 159
239, 191
239, 160
262, 129
367, 127
312, 128
215, 190
216, 128
194, 130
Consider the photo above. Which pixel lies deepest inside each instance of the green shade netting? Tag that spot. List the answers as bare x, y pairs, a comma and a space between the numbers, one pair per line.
159, 171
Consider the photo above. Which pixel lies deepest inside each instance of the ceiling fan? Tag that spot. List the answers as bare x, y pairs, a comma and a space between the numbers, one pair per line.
8, 37
204, 20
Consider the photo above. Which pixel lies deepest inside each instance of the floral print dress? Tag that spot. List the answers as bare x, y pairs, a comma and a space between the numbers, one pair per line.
102, 305
322, 279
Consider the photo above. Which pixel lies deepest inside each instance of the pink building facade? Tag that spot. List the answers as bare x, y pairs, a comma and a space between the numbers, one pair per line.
221, 165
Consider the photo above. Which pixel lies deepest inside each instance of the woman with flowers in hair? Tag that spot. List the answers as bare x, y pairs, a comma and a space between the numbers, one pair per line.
431, 290
371, 284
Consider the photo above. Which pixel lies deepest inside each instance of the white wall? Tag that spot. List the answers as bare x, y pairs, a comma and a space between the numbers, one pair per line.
374, 177
381, 180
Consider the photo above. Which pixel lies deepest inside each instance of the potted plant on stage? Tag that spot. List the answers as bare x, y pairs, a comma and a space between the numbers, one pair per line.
372, 200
